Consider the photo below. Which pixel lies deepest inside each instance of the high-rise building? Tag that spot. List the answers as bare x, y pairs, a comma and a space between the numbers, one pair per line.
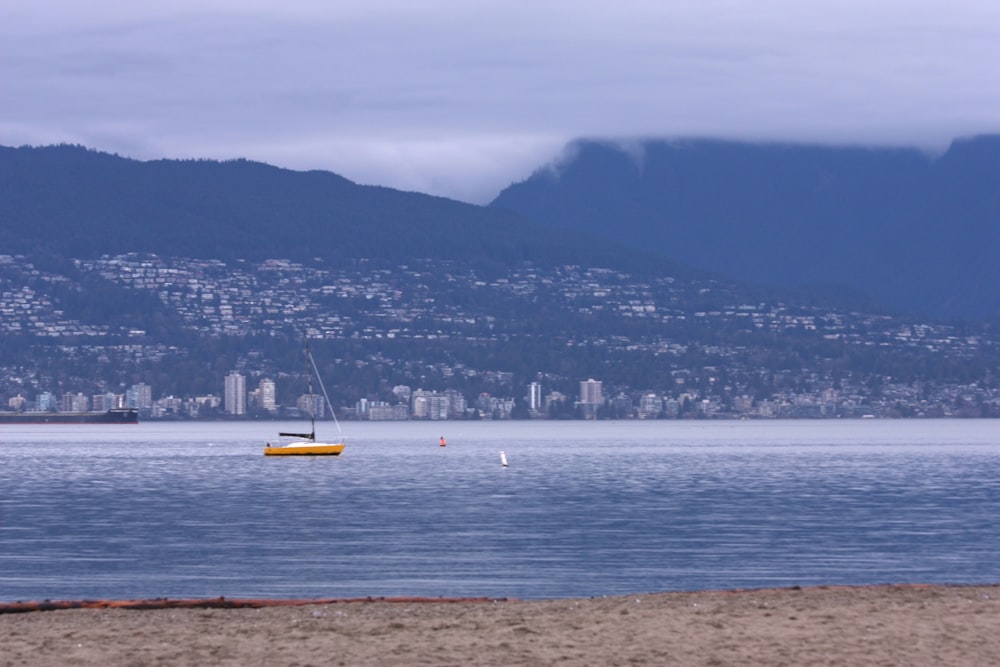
456, 403
430, 405
591, 398
437, 406
236, 394
420, 404
362, 407
139, 396
535, 397
650, 406
267, 396
590, 392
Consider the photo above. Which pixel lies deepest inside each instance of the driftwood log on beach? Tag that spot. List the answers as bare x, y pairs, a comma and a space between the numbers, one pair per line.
212, 603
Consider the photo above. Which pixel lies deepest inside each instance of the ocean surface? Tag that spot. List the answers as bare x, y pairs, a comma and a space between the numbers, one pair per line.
583, 509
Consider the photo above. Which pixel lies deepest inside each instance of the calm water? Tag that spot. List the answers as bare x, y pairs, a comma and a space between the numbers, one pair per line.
196, 510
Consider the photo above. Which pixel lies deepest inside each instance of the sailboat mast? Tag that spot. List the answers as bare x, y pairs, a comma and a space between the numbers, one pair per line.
333, 413
310, 364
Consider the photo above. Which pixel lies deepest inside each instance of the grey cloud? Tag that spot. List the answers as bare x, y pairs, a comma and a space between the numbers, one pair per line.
455, 97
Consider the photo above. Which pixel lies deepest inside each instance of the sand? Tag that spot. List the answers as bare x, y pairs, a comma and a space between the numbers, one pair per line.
872, 625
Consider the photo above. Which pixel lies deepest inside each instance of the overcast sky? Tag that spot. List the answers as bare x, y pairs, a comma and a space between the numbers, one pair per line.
462, 97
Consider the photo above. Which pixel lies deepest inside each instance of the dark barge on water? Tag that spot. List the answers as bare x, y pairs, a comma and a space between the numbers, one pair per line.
114, 416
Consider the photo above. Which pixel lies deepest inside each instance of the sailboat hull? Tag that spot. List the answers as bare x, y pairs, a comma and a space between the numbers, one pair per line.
304, 449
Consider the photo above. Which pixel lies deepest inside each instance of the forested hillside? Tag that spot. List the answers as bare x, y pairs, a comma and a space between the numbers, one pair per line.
917, 232
68, 201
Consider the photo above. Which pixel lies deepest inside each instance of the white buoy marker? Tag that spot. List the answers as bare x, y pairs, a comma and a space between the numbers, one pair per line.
503, 459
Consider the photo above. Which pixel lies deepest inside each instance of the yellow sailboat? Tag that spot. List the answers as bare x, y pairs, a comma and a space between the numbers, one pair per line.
305, 443
304, 448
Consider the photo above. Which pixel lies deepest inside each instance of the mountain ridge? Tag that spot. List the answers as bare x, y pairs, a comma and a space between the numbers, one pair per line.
74, 201
917, 232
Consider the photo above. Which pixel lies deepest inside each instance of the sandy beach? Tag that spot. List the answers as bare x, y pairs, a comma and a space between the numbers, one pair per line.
873, 625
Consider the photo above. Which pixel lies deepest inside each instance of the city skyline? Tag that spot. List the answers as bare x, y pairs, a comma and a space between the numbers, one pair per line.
241, 300
433, 405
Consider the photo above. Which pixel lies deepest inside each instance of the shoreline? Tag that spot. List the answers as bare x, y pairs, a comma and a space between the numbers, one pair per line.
913, 624
146, 604
222, 602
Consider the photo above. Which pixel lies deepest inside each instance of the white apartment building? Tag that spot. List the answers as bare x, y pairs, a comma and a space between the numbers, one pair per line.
236, 394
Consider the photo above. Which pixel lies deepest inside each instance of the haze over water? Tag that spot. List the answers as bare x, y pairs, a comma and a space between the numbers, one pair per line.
584, 508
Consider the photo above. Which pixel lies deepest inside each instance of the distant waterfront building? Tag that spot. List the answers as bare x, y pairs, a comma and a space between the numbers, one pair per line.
650, 406
552, 399
47, 402
108, 401
743, 404
494, 407
430, 405
437, 406
671, 407
168, 406
382, 411
75, 402
419, 405
268, 399
456, 403
139, 396
590, 391
311, 405
484, 403
622, 406
208, 402
535, 398
18, 403
362, 407
402, 393
236, 394
145, 395
591, 398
